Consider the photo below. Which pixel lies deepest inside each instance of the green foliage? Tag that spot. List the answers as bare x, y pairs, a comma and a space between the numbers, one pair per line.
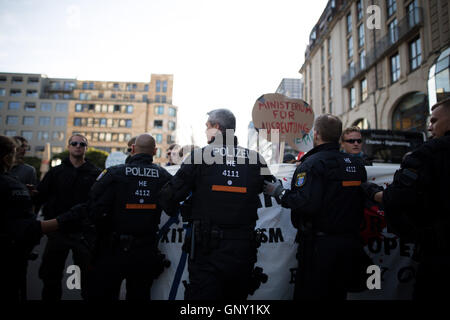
95, 156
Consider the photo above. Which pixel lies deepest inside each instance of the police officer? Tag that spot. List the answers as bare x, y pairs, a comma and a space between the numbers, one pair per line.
417, 205
124, 207
327, 209
224, 181
63, 187
19, 229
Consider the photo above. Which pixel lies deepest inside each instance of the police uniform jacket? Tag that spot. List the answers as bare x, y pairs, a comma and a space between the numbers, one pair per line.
125, 197
65, 186
19, 226
225, 181
325, 195
417, 203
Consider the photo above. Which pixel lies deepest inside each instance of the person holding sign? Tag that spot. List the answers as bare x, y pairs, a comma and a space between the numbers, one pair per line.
327, 208
224, 181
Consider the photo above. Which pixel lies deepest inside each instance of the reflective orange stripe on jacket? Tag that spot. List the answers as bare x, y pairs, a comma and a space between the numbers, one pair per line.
229, 189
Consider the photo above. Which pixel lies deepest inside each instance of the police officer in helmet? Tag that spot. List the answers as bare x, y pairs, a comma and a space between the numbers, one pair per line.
124, 206
224, 181
327, 207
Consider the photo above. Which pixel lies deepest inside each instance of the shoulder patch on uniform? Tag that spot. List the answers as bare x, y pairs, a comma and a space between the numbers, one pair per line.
300, 179
101, 174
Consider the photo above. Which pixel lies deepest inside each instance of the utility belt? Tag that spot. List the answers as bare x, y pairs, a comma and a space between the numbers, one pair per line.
306, 230
206, 237
126, 242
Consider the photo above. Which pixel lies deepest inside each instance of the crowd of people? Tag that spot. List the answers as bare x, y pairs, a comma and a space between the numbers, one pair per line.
110, 219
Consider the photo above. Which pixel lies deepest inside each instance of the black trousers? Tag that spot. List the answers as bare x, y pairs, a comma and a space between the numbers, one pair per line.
13, 274
326, 264
432, 279
139, 266
222, 274
53, 263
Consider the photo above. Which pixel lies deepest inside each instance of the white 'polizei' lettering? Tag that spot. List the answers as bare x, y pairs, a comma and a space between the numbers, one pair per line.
141, 172
230, 152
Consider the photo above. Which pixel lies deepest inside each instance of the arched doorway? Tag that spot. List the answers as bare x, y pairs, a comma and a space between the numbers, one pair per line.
362, 123
411, 113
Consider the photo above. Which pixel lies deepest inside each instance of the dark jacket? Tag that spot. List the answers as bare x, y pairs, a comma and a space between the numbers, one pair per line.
64, 186
19, 226
224, 189
24, 173
325, 194
125, 197
416, 204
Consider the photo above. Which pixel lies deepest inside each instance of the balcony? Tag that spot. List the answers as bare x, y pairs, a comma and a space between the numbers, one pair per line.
59, 88
408, 25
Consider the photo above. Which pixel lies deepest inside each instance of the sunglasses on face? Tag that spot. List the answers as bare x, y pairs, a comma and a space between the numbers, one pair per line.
76, 143
352, 141
129, 150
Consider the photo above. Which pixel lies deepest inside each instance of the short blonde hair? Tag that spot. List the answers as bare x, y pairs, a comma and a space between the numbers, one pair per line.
349, 130
78, 135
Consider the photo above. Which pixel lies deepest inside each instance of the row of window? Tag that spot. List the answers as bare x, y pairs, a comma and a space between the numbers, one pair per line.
41, 135
102, 123
18, 92
58, 96
32, 106
415, 60
106, 136
159, 138
104, 108
128, 86
159, 124
30, 121
19, 80
89, 96
158, 86
159, 110
161, 86
393, 29
363, 93
67, 86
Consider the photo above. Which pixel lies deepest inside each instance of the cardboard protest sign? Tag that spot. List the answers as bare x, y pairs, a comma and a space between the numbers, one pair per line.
293, 118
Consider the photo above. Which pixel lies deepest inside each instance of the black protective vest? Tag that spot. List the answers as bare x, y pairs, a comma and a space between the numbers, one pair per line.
343, 202
134, 193
339, 176
226, 193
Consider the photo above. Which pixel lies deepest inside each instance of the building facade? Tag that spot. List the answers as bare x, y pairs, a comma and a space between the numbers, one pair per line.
27, 110
108, 113
291, 88
379, 63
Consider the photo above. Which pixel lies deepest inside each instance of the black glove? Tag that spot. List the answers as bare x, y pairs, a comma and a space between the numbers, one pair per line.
273, 189
72, 220
370, 189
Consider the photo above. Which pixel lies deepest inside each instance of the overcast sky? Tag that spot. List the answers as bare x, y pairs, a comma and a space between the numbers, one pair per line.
223, 53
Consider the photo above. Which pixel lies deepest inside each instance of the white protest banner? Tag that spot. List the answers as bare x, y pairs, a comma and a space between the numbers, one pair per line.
278, 249
114, 159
